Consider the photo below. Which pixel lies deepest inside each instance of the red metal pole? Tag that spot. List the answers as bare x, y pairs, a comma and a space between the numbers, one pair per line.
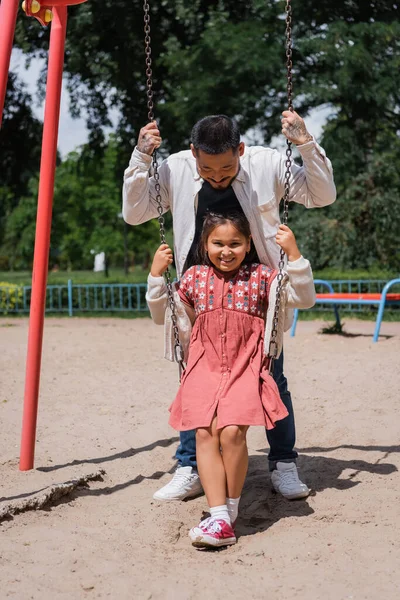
43, 230
8, 19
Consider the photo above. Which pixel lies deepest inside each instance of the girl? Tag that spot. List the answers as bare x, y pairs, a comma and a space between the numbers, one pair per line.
225, 307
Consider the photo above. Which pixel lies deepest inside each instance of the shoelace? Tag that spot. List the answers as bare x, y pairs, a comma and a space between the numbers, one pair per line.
210, 525
289, 476
180, 478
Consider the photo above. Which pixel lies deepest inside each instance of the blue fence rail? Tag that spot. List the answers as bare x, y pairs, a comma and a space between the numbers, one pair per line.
71, 298
124, 297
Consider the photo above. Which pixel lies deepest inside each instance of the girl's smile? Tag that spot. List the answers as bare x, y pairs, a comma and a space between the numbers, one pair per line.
227, 247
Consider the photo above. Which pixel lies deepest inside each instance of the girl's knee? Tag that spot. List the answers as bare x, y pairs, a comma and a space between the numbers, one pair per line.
233, 435
204, 435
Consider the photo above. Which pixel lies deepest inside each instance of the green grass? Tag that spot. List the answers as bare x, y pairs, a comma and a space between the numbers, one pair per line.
139, 275
375, 273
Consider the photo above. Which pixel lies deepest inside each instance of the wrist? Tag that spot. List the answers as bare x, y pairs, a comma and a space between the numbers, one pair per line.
292, 256
307, 138
156, 273
144, 150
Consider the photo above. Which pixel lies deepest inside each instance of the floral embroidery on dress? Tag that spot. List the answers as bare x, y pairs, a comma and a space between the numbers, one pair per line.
211, 293
246, 291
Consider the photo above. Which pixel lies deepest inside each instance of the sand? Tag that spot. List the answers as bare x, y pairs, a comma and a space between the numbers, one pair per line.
103, 405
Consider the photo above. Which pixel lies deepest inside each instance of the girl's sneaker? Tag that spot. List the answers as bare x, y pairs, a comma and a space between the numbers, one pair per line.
212, 533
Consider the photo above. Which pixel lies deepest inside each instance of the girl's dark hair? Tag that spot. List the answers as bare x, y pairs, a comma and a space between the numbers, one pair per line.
213, 220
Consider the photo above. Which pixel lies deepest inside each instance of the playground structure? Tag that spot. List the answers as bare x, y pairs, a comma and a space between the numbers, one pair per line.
55, 12
331, 298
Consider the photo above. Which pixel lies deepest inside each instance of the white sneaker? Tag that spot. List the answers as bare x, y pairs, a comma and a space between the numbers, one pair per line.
184, 484
285, 480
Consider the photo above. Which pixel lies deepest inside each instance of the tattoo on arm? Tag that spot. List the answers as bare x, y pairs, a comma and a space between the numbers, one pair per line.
297, 129
145, 145
297, 132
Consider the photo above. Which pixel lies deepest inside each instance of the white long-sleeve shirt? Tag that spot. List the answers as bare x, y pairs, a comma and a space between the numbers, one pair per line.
259, 187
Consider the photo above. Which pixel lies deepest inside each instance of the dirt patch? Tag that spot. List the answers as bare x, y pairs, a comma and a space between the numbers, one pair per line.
103, 405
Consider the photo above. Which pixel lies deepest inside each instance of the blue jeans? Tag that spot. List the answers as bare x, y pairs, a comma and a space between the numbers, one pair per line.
281, 439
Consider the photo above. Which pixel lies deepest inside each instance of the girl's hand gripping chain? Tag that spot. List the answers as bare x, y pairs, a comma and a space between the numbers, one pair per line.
286, 240
161, 261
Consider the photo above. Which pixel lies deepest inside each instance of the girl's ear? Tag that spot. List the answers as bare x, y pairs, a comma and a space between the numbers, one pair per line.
248, 244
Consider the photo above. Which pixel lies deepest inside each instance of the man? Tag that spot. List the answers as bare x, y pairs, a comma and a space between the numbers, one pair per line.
219, 173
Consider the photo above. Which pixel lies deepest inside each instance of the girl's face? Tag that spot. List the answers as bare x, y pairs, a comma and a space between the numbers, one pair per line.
226, 247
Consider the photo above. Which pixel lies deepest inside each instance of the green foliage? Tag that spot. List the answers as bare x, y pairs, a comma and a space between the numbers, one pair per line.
10, 296
19, 148
86, 216
218, 56
19, 234
361, 229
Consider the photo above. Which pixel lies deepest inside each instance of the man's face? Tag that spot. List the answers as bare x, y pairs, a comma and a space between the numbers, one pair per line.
218, 169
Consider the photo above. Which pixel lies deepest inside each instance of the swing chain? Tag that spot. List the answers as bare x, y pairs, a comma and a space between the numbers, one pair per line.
273, 345
178, 351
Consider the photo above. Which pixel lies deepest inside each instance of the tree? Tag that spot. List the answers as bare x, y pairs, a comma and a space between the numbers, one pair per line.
20, 141
86, 209
228, 56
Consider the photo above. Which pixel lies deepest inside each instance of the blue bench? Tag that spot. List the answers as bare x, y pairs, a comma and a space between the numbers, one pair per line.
381, 299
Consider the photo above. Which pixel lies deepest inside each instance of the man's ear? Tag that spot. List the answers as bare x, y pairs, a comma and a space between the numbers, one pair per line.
193, 149
241, 148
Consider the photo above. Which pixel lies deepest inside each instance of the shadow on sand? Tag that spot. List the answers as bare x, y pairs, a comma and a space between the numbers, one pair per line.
261, 507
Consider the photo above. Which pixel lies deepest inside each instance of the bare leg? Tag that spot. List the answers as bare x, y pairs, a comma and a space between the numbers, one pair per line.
235, 457
210, 465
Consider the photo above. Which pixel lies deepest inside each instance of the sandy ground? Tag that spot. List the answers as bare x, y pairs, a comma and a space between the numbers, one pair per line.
103, 404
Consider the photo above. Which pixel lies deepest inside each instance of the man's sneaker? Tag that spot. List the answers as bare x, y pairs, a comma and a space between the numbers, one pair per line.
184, 484
212, 533
285, 480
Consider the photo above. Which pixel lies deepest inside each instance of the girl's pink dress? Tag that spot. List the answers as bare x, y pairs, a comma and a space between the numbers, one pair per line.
225, 373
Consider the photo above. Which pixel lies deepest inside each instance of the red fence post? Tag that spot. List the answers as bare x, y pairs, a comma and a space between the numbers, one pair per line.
43, 230
8, 19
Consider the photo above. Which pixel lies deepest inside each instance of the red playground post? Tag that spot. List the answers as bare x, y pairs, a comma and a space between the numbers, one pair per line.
55, 10
8, 18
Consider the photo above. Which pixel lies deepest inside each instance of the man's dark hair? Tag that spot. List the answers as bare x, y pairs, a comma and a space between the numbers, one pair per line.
216, 134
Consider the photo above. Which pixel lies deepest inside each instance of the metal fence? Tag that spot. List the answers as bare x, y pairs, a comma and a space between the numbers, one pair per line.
77, 298
130, 297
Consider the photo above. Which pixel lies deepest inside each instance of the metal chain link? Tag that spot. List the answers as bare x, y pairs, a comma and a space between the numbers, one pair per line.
273, 346
178, 350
